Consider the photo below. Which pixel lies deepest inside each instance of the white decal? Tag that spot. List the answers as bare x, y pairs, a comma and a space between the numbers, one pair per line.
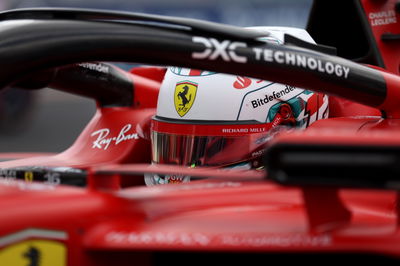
103, 141
96, 66
226, 239
7, 173
277, 240
273, 96
382, 18
22, 185
52, 178
167, 238
290, 58
235, 130
214, 49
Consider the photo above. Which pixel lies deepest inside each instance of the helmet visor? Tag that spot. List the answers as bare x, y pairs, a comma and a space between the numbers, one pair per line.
206, 145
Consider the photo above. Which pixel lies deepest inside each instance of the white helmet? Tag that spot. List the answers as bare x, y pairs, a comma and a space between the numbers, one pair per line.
212, 119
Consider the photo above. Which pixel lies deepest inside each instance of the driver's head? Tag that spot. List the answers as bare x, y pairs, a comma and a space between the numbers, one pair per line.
212, 119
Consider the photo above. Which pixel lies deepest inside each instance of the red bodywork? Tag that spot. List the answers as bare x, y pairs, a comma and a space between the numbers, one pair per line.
116, 221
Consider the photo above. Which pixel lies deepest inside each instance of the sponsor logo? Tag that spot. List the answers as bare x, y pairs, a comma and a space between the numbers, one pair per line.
103, 141
185, 93
258, 153
262, 240
155, 179
382, 18
241, 82
28, 176
244, 130
96, 67
227, 51
150, 238
175, 179
214, 49
303, 61
274, 96
35, 253
165, 238
8, 173
47, 175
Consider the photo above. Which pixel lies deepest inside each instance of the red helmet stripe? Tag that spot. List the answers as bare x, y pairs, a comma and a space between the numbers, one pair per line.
209, 130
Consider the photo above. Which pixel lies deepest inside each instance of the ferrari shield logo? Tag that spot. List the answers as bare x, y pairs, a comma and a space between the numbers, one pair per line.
185, 93
37, 252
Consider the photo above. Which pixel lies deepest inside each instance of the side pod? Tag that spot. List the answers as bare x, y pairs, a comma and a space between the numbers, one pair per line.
323, 165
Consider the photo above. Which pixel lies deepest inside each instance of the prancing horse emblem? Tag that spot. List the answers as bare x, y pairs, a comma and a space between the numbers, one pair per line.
184, 96
33, 254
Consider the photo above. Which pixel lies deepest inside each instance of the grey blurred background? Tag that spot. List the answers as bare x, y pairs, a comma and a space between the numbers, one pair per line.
49, 121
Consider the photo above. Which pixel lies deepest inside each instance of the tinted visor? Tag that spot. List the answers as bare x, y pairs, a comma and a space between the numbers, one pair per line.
207, 145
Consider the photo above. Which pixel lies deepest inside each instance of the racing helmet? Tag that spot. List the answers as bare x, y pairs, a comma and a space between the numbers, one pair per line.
213, 119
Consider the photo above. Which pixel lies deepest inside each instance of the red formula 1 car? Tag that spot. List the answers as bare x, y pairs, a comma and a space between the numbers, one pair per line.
325, 193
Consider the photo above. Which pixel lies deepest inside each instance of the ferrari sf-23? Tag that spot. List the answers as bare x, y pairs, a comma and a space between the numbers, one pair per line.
224, 145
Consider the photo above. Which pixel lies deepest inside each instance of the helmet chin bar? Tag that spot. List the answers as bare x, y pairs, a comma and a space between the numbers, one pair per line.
45, 43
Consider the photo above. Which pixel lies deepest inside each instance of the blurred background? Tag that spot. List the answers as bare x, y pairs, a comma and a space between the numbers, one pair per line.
49, 121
